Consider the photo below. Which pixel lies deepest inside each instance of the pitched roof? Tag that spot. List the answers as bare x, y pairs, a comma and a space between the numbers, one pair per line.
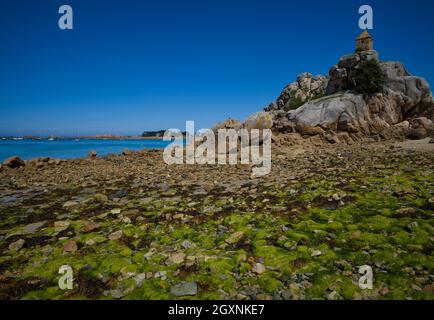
364, 35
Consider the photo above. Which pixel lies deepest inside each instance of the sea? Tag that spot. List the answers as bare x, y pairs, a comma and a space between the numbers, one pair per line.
72, 148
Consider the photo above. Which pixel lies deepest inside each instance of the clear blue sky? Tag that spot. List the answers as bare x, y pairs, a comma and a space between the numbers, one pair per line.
133, 65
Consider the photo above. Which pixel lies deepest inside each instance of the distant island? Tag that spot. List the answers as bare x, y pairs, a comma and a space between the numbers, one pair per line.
147, 135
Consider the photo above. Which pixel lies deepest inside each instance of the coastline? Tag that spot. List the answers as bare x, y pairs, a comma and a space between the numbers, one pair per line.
134, 217
73, 148
16, 138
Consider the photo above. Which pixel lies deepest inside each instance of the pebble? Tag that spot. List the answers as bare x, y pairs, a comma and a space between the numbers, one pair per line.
90, 226
33, 227
258, 268
187, 244
101, 198
177, 258
70, 246
333, 295
316, 253
161, 275
115, 211
116, 293
235, 237
116, 235
60, 226
69, 205
139, 279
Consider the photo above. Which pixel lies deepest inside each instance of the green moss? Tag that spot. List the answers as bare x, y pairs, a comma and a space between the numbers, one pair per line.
268, 282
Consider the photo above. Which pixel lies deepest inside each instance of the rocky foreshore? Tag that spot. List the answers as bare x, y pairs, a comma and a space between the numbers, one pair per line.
346, 189
132, 227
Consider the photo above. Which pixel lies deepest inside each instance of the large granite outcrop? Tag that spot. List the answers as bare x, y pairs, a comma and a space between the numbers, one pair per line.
404, 97
328, 105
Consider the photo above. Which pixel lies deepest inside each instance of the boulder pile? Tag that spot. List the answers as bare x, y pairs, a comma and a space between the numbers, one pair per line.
330, 107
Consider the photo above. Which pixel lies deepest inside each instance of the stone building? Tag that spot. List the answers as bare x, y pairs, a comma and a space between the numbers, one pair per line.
364, 42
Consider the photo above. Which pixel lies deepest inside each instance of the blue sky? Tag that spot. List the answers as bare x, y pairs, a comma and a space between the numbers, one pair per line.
130, 66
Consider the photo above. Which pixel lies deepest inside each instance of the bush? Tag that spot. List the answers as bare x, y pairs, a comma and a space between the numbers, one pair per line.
317, 95
368, 77
294, 103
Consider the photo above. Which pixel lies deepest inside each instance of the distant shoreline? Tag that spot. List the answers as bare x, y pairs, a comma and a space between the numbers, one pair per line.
34, 138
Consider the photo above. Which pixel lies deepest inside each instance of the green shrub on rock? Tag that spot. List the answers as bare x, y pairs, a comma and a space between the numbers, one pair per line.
368, 77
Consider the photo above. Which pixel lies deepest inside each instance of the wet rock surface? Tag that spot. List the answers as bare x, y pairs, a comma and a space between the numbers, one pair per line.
136, 228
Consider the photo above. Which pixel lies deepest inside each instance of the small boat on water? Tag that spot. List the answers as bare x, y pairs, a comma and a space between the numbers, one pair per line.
17, 139
50, 139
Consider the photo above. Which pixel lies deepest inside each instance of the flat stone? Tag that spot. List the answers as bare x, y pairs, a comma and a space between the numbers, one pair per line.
17, 245
316, 253
70, 205
187, 244
139, 279
90, 242
101, 198
115, 211
118, 194
184, 289
333, 295
70, 246
33, 227
90, 226
235, 237
405, 212
177, 258
116, 235
116, 294
259, 268
60, 226
161, 275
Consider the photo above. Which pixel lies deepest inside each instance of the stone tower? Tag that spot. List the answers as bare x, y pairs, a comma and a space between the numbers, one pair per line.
364, 42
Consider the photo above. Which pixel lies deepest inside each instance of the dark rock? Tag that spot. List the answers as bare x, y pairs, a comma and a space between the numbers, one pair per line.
417, 134
92, 154
14, 162
118, 194
126, 152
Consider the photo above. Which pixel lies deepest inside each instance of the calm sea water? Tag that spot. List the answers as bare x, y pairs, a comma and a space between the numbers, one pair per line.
67, 149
